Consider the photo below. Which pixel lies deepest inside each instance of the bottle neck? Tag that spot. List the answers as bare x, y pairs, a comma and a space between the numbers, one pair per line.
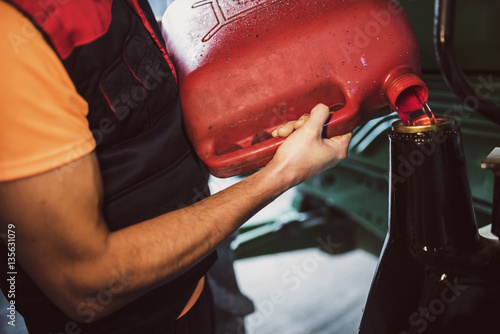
430, 198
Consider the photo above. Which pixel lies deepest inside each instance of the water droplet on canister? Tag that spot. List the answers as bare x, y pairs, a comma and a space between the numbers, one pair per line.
356, 68
343, 63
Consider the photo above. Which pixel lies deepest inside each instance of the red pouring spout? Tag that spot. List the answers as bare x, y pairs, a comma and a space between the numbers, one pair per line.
407, 94
246, 67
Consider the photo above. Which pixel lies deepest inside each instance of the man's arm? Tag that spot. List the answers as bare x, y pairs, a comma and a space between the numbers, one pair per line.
64, 244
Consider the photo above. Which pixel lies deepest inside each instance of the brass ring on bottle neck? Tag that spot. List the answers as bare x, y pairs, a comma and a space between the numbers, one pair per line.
443, 123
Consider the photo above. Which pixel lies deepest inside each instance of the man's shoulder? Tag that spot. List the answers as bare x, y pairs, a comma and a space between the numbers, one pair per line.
42, 117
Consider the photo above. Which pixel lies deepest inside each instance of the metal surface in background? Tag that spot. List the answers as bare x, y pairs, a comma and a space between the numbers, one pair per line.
492, 162
476, 26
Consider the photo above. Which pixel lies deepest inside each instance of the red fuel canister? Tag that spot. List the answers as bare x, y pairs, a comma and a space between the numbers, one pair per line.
244, 67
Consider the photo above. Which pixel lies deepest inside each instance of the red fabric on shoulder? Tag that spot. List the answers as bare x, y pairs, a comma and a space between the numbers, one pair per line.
62, 21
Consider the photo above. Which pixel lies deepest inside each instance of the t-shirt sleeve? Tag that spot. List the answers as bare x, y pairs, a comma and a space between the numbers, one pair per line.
43, 122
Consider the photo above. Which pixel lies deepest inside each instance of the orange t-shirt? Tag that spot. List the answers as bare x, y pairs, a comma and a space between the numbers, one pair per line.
43, 122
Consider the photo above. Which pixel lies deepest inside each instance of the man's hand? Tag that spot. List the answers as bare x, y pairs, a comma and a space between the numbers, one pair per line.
305, 152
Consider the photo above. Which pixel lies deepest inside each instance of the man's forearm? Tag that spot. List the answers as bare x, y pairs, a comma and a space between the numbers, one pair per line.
204, 225
167, 246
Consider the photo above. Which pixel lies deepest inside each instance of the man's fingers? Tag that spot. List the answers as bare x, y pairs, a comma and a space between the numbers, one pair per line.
319, 115
301, 121
284, 130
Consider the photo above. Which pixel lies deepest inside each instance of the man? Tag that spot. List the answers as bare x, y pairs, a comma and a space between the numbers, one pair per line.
98, 182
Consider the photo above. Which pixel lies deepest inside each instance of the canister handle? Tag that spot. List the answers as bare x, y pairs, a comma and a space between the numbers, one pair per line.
247, 159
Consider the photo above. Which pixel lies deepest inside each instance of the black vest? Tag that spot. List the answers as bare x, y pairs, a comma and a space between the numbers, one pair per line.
115, 55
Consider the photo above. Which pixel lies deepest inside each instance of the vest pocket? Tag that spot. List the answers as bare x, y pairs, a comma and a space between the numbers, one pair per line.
125, 97
147, 64
138, 87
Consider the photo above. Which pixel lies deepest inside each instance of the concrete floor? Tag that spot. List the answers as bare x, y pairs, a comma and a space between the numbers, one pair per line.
306, 291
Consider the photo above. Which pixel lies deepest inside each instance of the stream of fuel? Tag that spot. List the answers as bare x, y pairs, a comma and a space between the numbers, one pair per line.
419, 117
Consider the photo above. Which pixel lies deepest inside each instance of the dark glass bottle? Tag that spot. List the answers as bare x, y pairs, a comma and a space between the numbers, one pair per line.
436, 274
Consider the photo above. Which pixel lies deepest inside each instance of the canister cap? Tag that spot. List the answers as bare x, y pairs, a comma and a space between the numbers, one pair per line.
407, 93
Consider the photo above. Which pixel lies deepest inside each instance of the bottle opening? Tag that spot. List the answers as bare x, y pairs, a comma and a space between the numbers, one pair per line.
441, 123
